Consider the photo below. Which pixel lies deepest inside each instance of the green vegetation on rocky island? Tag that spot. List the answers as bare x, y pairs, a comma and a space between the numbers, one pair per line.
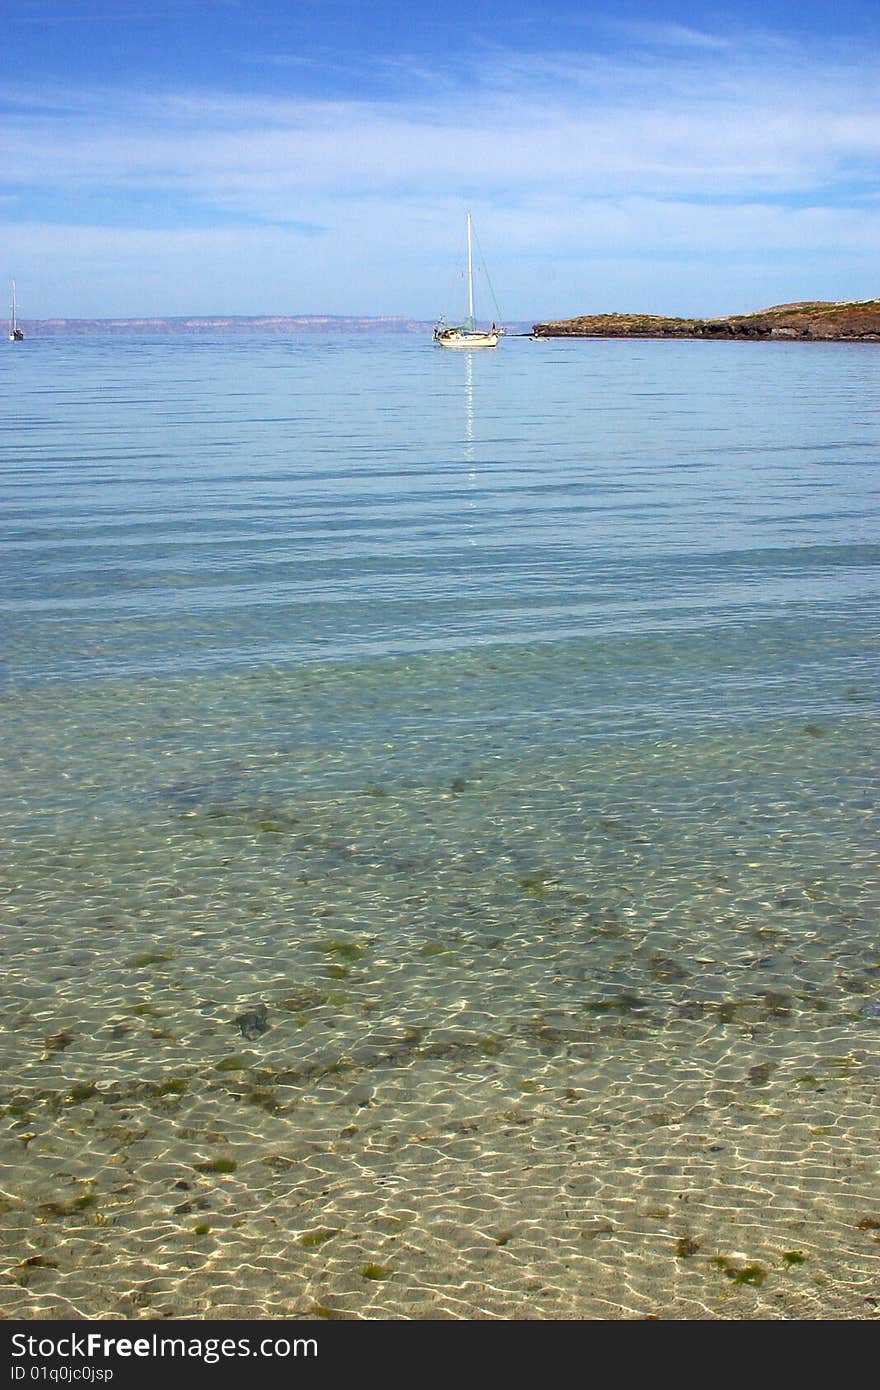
817, 321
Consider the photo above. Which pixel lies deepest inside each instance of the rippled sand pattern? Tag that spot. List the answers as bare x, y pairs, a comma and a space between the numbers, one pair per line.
559, 1026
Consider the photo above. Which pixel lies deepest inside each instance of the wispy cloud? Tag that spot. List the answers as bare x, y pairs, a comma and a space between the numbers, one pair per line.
239, 148
673, 36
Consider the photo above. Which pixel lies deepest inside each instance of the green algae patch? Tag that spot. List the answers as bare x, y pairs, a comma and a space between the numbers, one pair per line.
321, 1310
616, 1004
749, 1274
760, 1074
334, 1068
729, 1010
235, 1062
313, 1240
47, 1211
203, 1229
348, 951
149, 958
737, 1273
20, 1274
265, 1099
792, 1258
777, 1003
370, 1271
535, 885
667, 968
303, 999
217, 1165
77, 1094
171, 1086
845, 1064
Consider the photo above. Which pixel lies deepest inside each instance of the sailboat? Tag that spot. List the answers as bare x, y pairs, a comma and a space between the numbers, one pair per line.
465, 335
15, 333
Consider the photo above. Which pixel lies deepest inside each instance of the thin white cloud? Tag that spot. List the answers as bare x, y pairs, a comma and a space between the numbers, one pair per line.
259, 154
673, 36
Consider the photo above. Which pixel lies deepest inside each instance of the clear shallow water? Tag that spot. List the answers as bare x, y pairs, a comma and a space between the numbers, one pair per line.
503, 723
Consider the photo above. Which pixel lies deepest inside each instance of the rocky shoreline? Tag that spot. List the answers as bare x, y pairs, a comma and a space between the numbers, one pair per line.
815, 322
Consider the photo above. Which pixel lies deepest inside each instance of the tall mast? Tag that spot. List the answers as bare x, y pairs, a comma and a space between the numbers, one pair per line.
470, 276
13, 307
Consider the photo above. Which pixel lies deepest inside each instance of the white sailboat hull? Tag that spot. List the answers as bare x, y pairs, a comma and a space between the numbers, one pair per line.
462, 338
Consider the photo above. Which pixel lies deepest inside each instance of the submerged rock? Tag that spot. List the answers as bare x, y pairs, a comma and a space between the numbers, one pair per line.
254, 1022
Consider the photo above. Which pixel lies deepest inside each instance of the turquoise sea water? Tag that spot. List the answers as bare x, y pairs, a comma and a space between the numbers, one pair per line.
503, 723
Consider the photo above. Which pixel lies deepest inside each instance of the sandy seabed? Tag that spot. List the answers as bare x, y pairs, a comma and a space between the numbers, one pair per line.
529, 1050
594, 1184
451, 1161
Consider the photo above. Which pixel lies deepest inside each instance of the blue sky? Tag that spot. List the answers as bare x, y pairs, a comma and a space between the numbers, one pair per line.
318, 156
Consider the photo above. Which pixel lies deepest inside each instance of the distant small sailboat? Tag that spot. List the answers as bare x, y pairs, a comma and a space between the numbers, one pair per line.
15, 333
466, 335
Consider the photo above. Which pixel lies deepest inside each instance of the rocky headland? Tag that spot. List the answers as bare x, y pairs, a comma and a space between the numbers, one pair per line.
814, 322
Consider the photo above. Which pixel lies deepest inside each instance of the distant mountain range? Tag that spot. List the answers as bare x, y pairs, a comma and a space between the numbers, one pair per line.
818, 321
227, 323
